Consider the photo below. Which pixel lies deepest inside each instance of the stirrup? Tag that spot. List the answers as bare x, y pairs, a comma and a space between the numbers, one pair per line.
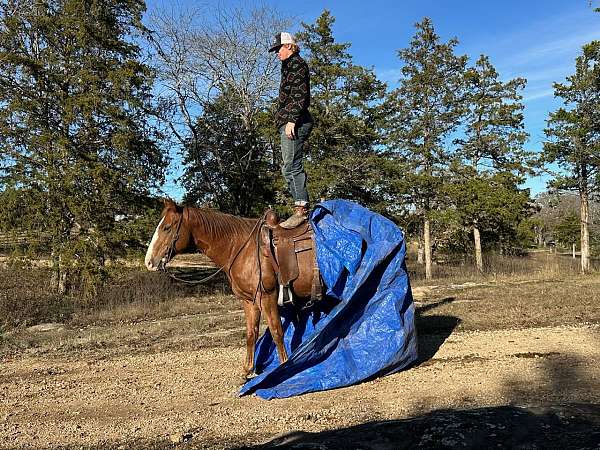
285, 296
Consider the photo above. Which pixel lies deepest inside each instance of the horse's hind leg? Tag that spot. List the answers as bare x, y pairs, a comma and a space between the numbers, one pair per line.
271, 310
252, 313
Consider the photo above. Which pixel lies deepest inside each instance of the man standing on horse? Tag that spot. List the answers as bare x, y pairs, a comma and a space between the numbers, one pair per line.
293, 121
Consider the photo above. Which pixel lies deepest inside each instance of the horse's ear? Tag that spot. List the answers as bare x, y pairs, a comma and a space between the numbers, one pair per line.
169, 204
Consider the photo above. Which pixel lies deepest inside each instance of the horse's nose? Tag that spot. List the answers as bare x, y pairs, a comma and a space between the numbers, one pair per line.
150, 266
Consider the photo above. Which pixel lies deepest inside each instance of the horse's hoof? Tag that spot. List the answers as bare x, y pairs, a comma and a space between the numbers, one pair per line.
235, 393
247, 377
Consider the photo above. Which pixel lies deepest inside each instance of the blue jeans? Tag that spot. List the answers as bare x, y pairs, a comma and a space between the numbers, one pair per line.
292, 152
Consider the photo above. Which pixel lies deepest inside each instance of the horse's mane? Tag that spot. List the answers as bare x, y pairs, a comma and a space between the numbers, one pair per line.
219, 224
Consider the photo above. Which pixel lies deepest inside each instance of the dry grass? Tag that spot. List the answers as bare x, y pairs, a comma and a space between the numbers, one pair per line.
140, 295
26, 298
519, 284
538, 289
511, 304
145, 312
214, 321
534, 265
217, 320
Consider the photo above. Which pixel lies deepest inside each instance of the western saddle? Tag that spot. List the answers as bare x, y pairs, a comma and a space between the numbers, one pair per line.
282, 246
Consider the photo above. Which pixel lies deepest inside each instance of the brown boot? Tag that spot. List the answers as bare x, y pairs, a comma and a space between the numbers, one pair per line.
298, 218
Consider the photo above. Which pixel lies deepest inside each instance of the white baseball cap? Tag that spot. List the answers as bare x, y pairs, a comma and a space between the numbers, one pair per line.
280, 39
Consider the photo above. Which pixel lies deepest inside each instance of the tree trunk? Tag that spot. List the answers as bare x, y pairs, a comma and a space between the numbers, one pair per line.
585, 234
539, 235
420, 252
427, 239
477, 242
58, 281
573, 250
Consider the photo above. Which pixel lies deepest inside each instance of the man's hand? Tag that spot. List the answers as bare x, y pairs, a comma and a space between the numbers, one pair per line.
289, 130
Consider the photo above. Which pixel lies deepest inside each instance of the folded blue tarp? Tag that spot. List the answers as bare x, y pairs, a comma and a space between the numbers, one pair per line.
363, 329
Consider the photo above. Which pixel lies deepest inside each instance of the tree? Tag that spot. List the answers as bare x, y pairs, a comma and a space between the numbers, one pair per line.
574, 137
204, 58
347, 105
486, 190
552, 209
77, 146
491, 205
225, 164
425, 109
529, 232
568, 230
552, 206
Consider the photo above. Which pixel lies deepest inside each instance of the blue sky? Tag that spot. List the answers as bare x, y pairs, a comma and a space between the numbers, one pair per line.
537, 40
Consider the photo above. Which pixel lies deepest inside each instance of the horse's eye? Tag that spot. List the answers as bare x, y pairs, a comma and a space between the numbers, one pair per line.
167, 227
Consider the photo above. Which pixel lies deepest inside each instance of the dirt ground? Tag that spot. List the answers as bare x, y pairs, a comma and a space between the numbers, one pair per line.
523, 373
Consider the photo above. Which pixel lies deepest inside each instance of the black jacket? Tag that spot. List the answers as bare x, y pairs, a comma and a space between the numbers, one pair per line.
294, 92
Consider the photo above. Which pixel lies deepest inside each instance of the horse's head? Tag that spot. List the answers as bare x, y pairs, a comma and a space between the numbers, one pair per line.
172, 236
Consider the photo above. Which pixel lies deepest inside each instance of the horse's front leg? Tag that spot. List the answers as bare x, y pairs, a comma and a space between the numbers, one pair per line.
271, 310
252, 313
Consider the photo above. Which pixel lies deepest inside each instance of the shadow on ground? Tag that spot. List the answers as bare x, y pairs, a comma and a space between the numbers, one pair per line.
433, 330
571, 426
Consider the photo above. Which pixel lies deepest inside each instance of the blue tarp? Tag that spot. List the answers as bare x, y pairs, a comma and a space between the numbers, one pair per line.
363, 329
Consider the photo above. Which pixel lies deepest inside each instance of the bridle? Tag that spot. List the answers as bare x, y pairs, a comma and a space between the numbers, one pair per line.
170, 253
162, 265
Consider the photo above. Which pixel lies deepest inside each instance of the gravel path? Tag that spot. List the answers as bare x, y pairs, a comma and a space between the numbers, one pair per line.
157, 399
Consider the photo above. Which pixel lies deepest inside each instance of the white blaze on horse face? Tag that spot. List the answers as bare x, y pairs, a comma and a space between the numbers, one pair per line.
149, 252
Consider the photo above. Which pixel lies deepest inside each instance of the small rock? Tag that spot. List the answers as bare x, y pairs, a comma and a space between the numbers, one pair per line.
46, 327
181, 438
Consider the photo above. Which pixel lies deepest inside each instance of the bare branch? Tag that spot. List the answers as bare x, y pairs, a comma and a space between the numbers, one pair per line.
200, 54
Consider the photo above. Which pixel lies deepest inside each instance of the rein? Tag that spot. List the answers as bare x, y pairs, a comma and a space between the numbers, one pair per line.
171, 252
203, 280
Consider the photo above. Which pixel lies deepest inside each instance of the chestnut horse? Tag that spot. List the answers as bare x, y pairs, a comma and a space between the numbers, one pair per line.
232, 243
